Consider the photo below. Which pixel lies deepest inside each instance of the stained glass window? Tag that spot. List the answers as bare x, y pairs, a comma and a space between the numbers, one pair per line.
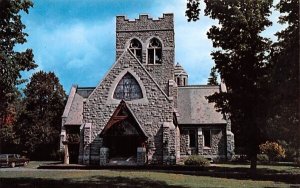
154, 51
128, 89
136, 48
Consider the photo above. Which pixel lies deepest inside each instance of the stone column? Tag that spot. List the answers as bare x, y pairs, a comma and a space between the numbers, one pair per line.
141, 156
66, 156
86, 143
230, 144
166, 136
229, 139
200, 141
104, 156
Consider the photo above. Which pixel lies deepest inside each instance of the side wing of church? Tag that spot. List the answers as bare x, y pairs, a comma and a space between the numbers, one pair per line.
143, 111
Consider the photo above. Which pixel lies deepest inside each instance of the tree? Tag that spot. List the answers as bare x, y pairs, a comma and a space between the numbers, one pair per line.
192, 10
9, 139
41, 119
12, 62
213, 79
283, 121
241, 59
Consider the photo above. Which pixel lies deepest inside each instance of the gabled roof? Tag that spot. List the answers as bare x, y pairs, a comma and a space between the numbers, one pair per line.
118, 117
128, 52
74, 107
193, 108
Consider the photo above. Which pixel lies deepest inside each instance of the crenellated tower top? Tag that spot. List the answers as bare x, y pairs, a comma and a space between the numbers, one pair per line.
145, 23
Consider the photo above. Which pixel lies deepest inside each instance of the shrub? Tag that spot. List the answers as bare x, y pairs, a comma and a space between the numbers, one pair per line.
273, 150
262, 158
196, 160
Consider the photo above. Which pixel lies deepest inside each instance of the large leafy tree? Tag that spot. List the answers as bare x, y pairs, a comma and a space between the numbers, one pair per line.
41, 118
284, 118
12, 63
241, 59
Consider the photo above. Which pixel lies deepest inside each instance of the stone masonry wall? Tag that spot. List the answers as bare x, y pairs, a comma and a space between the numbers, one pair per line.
151, 114
218, 142
144, 29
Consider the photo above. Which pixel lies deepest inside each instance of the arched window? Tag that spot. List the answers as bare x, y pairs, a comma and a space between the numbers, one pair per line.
154, 51
128, 89
178, 81
136, 48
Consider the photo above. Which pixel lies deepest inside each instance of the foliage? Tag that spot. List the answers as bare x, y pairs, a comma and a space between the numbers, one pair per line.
241, 59
273, 150
196, 160
263, 158
12, 63
9, 138
193, 10
283, 121
41, 118
266, 79
213, 79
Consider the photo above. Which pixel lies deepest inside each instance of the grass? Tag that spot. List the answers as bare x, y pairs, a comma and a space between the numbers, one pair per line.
275, 168
131, 178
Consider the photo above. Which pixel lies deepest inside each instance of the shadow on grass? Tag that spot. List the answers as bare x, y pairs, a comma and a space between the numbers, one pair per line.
244, 173
92, 182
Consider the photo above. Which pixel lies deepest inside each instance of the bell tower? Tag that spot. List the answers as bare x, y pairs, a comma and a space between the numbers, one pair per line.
152, 41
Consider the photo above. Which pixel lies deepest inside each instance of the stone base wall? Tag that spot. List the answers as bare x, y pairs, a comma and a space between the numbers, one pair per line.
104, 156
141, 156
218, 142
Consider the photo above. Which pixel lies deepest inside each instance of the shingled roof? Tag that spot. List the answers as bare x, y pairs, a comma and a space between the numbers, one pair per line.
74, 107
193, 108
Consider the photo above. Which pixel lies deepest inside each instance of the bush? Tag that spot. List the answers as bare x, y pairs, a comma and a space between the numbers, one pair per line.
262, 158
273, 150
196, 160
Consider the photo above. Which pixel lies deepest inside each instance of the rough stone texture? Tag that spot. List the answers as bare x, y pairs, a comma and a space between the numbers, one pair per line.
165, 112
145, 23
151, 113
104, 156
218, 143
184, 142
144, 29
98, 108
141, 156
230, 145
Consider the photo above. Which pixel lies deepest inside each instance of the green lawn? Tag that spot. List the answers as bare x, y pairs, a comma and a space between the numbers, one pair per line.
129, 178
276, 168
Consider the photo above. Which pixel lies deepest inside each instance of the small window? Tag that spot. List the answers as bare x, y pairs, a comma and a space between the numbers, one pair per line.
136, 48
184, 82
154, 52
207, 138
192, 136
128, 89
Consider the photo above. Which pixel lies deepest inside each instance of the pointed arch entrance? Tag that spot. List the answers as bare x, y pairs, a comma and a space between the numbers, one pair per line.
123, 134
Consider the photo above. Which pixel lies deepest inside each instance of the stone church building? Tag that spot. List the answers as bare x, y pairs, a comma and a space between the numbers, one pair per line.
144, 111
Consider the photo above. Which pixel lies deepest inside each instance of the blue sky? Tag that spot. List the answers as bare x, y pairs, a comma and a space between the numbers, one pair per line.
76, 39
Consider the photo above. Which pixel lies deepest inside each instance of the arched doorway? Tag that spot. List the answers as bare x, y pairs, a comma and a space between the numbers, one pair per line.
122, 139
123, 134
